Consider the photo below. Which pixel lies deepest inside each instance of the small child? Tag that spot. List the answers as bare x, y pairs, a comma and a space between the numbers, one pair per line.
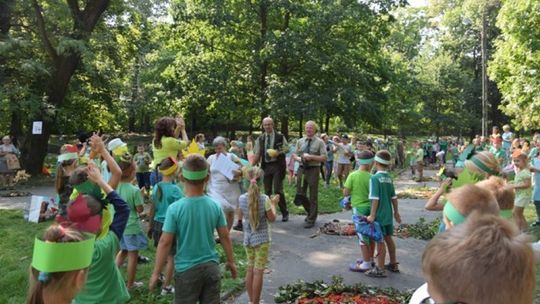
522, 188
143, 161
257, 210
357, 186
419, 161
485, 260
504, 195
68, 160
383, 201
133, 240
51, 279
164, 194
192, 222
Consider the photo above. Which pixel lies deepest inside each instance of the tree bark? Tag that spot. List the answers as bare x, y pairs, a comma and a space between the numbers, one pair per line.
285, 126
263, 16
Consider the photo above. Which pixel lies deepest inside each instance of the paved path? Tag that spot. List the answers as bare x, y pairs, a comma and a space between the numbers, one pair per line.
294, 255
20, 202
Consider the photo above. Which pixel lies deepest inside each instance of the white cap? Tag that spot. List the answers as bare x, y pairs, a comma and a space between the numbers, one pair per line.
115, 143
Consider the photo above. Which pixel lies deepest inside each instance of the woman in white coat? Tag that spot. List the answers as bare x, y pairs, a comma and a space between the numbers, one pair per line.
220, 188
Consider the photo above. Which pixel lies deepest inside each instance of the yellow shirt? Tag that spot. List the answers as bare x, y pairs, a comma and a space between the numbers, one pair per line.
170, 146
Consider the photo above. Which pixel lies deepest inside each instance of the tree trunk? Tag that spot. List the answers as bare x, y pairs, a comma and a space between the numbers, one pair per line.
263, 15
327, 125
285, 126
300, 125
64, 66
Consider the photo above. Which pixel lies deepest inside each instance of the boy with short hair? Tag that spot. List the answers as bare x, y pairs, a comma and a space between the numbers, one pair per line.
485, 260
383, 201
357, 187
463, 201
192, 220
503, 194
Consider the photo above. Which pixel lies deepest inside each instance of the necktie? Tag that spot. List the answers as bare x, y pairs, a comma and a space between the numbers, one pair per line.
308, 146
266, 157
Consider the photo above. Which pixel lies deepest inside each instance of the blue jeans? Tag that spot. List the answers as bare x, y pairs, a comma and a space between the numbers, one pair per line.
155, 177
329, 166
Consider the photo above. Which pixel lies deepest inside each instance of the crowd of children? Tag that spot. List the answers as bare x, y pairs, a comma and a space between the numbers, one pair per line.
191, 201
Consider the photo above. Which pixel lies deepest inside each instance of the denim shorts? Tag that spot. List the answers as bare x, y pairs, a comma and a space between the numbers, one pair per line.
133, 242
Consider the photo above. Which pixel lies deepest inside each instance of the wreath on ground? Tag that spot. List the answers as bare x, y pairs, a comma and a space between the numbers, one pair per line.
319, 292
422, 230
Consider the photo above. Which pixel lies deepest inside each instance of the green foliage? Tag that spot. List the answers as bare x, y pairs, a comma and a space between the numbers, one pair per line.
516, 62
291, 292
421, 230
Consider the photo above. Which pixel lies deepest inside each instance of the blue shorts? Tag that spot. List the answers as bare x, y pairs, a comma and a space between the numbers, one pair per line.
133, 242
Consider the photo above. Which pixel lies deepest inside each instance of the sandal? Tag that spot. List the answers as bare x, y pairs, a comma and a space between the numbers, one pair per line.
393, 267
376, 272
357, 267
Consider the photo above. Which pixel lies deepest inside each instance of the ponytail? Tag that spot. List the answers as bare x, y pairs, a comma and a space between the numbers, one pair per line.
35, 294
253, 196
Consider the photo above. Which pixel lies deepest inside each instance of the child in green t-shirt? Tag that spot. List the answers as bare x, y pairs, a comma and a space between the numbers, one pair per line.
133, 240
143, 161
192, 222
357, 186
522, 188
383, 201
164, 194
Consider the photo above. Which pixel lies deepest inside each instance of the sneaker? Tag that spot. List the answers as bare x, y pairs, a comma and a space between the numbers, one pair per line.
238, 227
392, 267
308, 225
167, 290
534, 224
141, 259
285, 218
136, 284
376, 272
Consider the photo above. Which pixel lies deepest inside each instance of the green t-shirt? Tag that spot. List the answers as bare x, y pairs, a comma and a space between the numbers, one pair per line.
419, 155
170, 146
358, 183
143, 161
170, 193
133, 197
381, 187
499, 154
193, 220
523, 195
104, 283
444, 145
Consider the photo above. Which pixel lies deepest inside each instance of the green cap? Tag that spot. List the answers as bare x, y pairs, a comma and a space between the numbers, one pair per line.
194, 175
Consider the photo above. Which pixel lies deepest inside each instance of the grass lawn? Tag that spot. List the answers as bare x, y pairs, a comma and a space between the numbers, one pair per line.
16, 255
328, 198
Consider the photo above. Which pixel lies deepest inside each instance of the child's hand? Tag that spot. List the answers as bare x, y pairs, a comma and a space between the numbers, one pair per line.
274, 199
397, 217
445, 184
97, 144
232, 268
371, 219
93, 173
180, 123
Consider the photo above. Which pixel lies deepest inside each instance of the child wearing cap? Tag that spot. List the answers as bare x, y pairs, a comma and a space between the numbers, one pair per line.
192, 222
59, 265
143, 161
522, 188
504, 195
357, 187
133, 240
462, 201
383, 203
164, 194
68, 160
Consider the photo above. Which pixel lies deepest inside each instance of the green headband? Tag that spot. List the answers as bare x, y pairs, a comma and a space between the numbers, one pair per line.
59, 257
482, 166
382, 161
194, 175
366, 161
452, 214
505, 213
89, 188
67, 156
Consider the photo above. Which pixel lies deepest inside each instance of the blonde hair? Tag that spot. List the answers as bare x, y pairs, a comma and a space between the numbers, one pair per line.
254, 194
469, 198
487, 160
484, 260
57, 282
498, 187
